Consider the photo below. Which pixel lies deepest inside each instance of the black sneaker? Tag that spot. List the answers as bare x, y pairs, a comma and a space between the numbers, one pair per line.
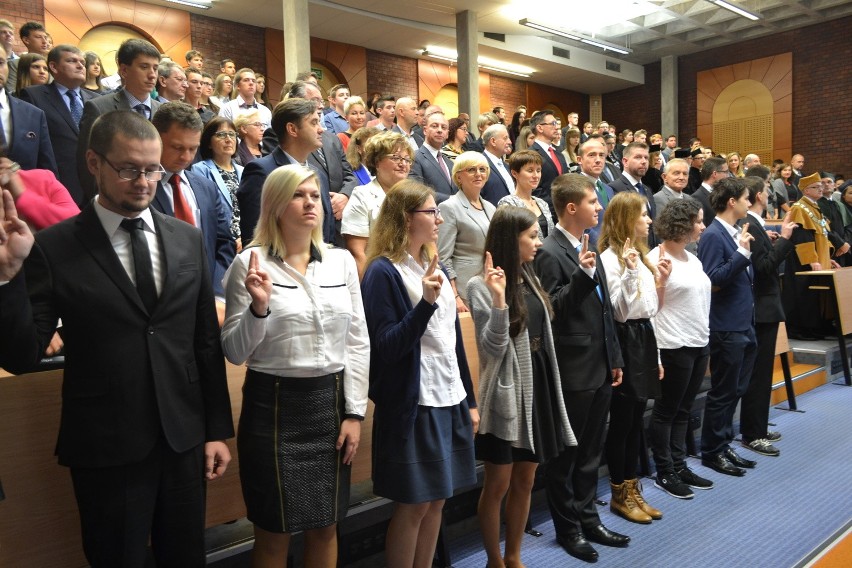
694, 480
762, 446
671, 484
773, 436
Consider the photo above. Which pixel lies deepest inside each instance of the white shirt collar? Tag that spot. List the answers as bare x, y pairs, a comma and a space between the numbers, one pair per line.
758, 217
733, 231
111, 221
575, 242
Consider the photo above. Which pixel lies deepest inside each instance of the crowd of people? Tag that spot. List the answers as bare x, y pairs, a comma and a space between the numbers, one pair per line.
337, 240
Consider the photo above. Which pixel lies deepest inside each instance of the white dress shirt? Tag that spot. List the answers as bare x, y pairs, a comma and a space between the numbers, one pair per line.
232, 109
362, 209
633, 293
186, 191
316, 324
498, 165
590, 272
120, 240
6, 115
440, 381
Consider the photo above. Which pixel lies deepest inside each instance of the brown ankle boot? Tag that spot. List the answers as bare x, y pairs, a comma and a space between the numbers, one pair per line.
634, 488
622, 503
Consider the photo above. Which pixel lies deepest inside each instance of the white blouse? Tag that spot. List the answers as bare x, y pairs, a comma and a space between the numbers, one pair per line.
362, 209
633, 292
316, 324
684, 319
440, 381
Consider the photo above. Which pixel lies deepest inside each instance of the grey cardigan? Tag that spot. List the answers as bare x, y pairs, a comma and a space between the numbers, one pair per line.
505, 373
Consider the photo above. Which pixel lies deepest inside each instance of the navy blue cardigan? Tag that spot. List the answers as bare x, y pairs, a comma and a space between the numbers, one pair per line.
395, 328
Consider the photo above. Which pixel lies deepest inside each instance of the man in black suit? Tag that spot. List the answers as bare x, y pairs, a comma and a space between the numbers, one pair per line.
145, 404
634, 160
430, 165
499, 183
298, 128
712, 170
546, 129
25, 133
62, 102
766, 257
589, 359
191, 197
137, 65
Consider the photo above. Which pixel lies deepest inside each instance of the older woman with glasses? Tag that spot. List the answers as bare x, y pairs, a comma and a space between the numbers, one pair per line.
461, 239
218, 148
250, 130
388, 156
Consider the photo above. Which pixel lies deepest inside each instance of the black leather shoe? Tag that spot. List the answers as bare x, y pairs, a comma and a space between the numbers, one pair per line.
577, 546
738, 460
602, 535
722, 464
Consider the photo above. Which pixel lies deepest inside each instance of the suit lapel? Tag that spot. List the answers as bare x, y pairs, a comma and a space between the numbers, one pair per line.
161, 201
55, 99
462, 199
94, 239
169, 253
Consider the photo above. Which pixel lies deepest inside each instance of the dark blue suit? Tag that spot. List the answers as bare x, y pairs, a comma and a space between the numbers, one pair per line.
623, 184
732, 339
64, 132
495, 187
30, 141
218, 243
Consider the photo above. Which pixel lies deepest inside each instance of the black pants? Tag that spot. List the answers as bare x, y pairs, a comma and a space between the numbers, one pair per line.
754, 409
161, 497
684, 370
622, 440
571, 479
732, 356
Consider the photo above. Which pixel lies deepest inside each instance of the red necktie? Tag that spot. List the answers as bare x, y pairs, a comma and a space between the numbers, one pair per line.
182, 209
555, 159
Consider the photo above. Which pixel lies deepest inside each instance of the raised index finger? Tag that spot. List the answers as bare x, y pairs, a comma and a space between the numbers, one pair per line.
585, 246
745, 228
662, 250
489, 262
627, 243
253, 262
432, 266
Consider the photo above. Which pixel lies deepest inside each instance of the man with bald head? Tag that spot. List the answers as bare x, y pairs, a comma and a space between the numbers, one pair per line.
407, 117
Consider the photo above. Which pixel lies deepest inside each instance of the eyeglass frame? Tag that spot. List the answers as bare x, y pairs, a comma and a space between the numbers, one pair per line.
397, 159
434, 211
222, 134
473, 170
139, 173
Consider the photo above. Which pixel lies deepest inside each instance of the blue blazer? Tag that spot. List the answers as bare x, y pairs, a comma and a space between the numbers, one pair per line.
218, 243
395, 327
495, 187
732, 295
30, 142
64, 133
208, 169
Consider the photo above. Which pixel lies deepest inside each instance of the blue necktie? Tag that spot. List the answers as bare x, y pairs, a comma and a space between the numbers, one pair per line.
142, 109
76, 109
597, 286
641, 189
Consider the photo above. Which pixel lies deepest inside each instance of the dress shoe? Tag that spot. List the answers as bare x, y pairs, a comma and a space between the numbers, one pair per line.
738, 460
602, 535
722, 464
577, 546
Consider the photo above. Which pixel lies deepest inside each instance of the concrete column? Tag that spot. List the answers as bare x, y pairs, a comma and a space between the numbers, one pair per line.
297, 40
467, 45
669, 96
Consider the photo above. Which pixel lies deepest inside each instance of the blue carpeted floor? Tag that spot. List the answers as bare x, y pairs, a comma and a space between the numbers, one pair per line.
775, 516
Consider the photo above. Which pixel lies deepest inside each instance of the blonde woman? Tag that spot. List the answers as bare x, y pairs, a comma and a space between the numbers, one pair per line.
735, 164
295, 318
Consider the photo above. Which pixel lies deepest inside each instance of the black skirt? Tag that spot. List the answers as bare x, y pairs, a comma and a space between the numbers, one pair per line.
292, 476
639, 350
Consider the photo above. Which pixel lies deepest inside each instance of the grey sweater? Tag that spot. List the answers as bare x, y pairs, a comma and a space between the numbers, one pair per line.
505, 373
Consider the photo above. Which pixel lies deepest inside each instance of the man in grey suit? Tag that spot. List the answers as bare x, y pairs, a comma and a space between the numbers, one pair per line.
676, 177
430, 165
137, 66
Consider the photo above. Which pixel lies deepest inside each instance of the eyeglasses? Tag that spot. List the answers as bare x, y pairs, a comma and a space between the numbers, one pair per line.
261, 125
726, 172
554, 123
399, 159
222, 134
132, 174
477, 170
434, 211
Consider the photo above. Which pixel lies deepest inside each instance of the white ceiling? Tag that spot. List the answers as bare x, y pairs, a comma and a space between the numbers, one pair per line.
651, 28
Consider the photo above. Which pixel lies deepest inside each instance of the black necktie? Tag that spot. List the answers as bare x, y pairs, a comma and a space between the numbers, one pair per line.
141, 109
142, 262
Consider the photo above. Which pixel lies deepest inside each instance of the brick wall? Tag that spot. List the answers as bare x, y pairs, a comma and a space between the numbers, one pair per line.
508, 93
220, 39
822, 108
637, 107
20, 12
391, 74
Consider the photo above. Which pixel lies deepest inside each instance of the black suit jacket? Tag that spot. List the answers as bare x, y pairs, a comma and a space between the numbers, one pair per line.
92, 109
587, 347
548, 174
215, 227
703, 197
131, 377
765, 260
64, 133
426, 169
30, 141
